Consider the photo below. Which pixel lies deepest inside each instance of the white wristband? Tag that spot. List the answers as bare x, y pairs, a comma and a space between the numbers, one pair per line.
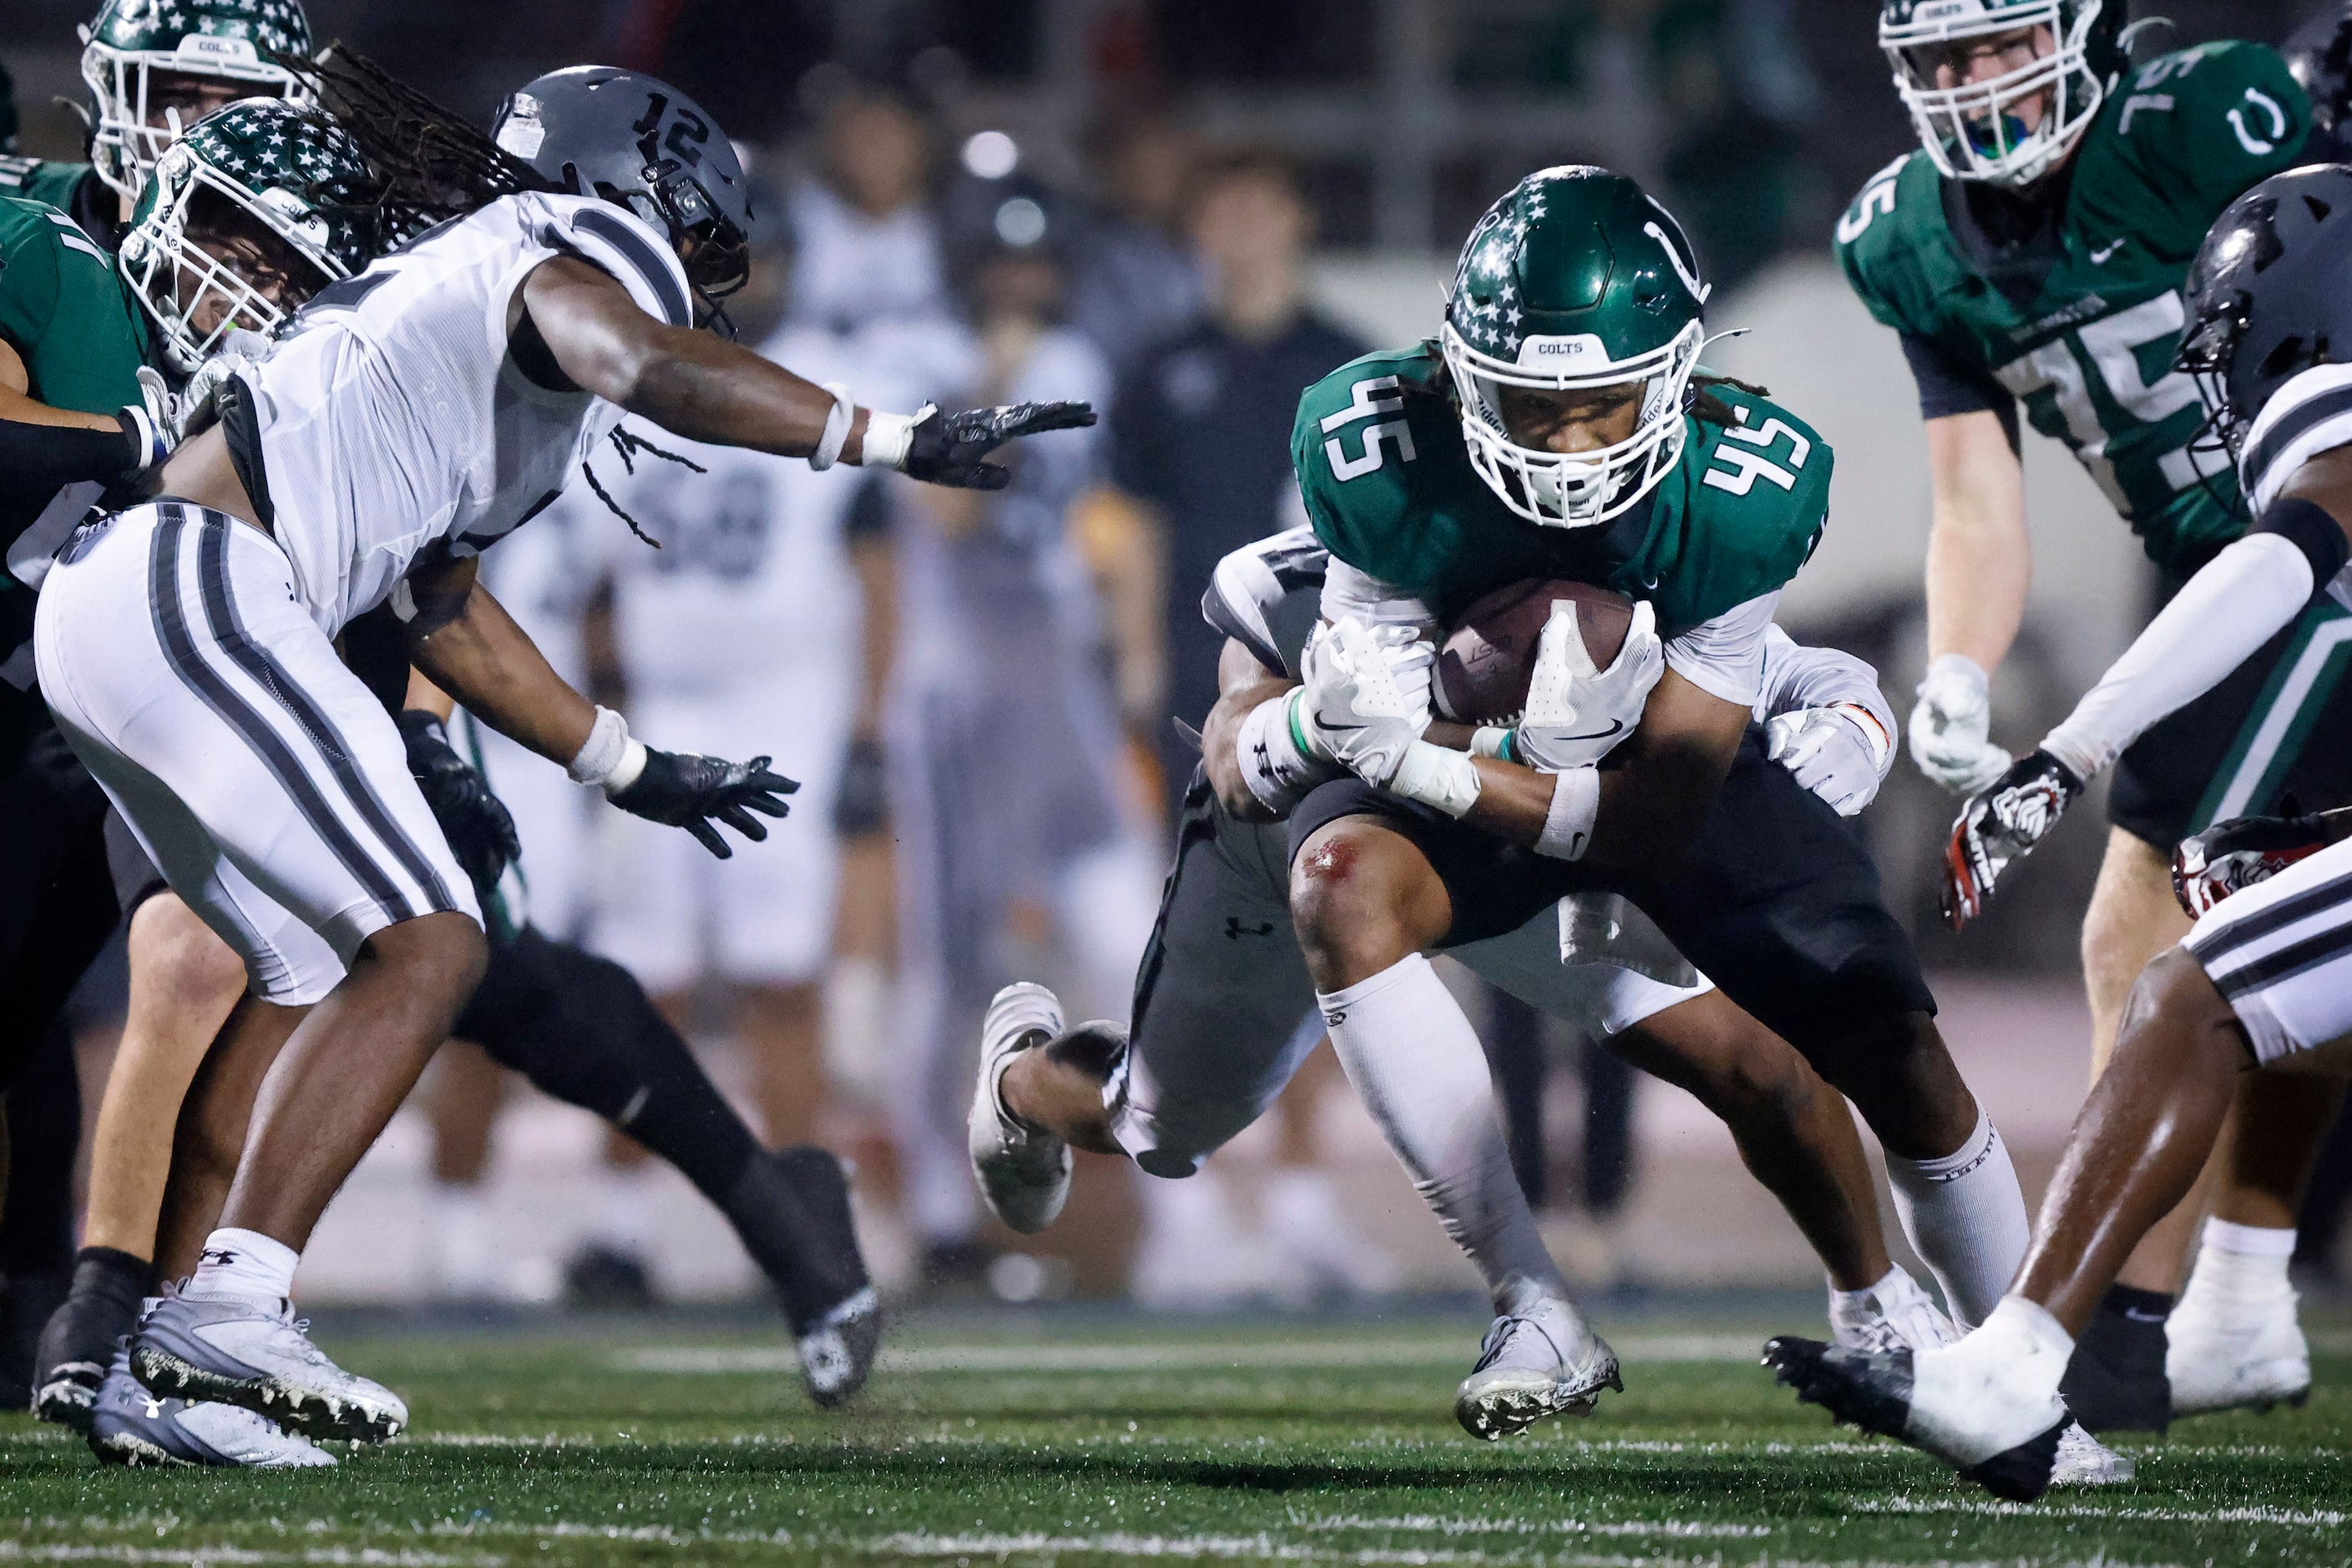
1568, 825
836, 428
888, 437
1437, 777
604, 752
1278, 774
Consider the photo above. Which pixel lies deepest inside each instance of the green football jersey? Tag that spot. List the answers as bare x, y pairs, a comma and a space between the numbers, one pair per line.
2082, 331
41, 179
64, 311
1386, 477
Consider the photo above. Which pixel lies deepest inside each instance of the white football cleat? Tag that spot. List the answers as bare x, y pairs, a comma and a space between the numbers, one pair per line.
131, 1426
2083, 1460
1894, 1314
1540, 1359
1023, 1171
2227, 1349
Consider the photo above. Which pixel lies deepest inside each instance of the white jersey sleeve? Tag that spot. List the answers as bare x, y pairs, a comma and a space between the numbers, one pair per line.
1725, 657
1350, 592
392, 420
1267, 596
2310, 415
1797, 676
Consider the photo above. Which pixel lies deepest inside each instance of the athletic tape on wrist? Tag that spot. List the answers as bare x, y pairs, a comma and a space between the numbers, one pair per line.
1491, 741
836, 428
888, 437
1568, 825
1277, 770
1436, 777
152, 447
605, 749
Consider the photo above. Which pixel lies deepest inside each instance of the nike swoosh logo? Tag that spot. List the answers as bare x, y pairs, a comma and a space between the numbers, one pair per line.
2100, 257
2136, 1316
1614, 726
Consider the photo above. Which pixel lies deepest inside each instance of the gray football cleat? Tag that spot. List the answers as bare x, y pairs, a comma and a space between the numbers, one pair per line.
1540, 1359
838, 1350
131, 1426
1023, 1171
254, 1353
2009, 1449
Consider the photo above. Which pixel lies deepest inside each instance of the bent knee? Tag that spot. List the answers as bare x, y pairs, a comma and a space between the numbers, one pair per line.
444, 946
175, 954
1361, 895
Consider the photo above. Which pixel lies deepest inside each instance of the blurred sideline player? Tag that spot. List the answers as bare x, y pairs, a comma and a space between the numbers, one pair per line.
2261, 984
1016, 828
1199, 435
148, 72
2033, 252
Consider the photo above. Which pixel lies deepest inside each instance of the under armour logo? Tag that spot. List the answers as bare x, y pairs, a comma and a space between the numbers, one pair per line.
220, 1255
1236, 931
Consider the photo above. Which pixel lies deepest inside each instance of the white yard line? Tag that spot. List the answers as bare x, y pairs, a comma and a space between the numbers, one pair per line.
1175, 1357
206, 1556
2298, 1519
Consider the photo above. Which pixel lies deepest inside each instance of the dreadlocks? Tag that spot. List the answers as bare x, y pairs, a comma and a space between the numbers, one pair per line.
432, 165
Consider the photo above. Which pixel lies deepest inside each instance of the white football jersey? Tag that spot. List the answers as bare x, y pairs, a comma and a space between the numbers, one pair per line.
393, 420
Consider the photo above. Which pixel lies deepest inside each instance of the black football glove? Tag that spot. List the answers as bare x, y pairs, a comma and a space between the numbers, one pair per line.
685, 790
480, 831
947, 449
2000, 824
861, 803
2234, 854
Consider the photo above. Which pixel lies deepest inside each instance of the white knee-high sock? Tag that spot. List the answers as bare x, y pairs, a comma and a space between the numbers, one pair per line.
1417, 1064
1965, 1215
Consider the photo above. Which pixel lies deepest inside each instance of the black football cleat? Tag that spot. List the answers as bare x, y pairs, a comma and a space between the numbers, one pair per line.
792, 1209
1874, 1392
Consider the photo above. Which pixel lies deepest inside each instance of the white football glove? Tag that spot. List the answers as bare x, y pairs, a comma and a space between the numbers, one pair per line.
1351, 708
1576, 713
1952, 726
1838, 753
240, 351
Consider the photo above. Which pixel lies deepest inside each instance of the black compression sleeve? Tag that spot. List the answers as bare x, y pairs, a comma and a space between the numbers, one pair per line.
1947, 387
2312, 529
40, 459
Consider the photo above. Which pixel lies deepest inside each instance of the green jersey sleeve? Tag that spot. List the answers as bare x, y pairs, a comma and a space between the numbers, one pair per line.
2203, 124
65, 312
40, 179
1885, 249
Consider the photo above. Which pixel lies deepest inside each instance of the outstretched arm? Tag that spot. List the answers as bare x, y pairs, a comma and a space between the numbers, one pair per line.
574, 324
464, 642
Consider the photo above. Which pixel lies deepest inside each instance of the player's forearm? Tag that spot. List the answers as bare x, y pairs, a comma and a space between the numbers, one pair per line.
481, 658
1979, 559
1221, 751
707, 389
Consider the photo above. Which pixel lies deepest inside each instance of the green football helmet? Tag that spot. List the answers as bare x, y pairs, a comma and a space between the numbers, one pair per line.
220, 40
1974, 130
1577, 279
289, 167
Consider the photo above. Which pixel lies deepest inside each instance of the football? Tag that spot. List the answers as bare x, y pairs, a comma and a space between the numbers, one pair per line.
1487, 661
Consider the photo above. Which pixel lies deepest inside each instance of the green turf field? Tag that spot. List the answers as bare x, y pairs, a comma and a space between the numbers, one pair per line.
1077, 1439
